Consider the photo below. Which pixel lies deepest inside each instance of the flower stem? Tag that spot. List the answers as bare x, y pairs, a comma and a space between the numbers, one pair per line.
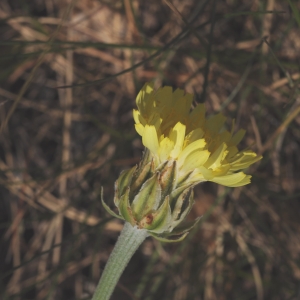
128, 242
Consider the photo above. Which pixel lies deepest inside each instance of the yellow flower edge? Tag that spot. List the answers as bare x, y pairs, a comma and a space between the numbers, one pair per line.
202, 149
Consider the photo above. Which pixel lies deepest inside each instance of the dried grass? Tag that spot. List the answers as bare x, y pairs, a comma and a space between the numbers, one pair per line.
58, 146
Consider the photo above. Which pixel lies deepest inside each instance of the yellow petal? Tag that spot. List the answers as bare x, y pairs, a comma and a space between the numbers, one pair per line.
197, 145
177, 136
193, 136
225, 137
165, 148
196, 117
183, 106
139, 129
232, 151
195, 160
150, 139
245, 162
146, 90
188, 102
232, 179
138, 118
163, 100
207, 174
136, 115
237, 137
156, 121
222, 171
178, 93
215, 123
245, 181
145, 100
196, 177
215, 160
243, 156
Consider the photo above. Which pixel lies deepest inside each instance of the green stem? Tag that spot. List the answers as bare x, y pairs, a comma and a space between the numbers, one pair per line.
128, 242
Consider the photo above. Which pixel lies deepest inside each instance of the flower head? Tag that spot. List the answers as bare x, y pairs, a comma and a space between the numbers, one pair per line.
183, 148
200, 146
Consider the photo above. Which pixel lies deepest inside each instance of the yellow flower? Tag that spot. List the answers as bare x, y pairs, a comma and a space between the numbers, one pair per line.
202, 149
183, 148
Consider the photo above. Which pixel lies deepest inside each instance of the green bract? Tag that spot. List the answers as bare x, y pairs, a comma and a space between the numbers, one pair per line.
153, 199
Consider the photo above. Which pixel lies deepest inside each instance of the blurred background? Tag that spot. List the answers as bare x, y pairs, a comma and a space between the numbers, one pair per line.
59, 145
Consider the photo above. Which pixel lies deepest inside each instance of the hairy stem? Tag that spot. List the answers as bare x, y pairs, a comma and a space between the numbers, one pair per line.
128, 242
